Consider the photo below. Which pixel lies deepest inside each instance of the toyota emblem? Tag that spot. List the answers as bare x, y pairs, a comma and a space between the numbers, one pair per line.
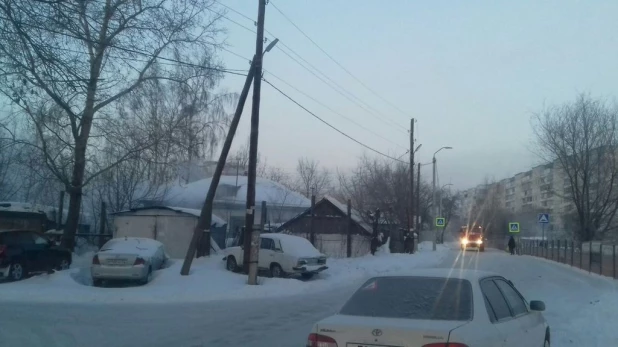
376, 332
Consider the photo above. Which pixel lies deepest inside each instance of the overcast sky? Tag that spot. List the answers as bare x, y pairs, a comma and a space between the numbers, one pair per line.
470, 72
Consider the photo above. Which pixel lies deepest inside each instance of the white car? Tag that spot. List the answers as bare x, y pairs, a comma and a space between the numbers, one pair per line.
435, 308
281, 255
127, 258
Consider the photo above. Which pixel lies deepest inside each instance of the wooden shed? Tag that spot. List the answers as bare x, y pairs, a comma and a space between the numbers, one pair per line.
331, 228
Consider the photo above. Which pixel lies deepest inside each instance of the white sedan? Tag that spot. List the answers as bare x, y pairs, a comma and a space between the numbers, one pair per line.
281, 255
435, 308
127, 258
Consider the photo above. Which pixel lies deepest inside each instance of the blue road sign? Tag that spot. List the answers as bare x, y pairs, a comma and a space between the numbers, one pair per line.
514, 227
544, 218
440, 221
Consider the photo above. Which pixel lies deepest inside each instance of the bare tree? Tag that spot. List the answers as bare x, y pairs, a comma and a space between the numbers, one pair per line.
64, 62
312, 178
581, 137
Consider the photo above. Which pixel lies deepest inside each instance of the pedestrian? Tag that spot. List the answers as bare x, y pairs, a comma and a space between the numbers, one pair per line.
512, 245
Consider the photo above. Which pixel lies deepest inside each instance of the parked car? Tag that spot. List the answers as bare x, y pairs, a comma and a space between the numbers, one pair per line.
24, 252
127, 258
281, 255
435, 308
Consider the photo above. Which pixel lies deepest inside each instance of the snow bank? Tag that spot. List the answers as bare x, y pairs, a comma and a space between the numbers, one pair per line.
208, 281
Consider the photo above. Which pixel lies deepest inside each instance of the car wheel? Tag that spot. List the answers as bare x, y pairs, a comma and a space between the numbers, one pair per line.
307, 276
276, 271
17, 272
97, 282
231, 264
148, 277
63, 265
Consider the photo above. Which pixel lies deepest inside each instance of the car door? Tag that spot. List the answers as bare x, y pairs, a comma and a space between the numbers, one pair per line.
500, 314
266, 256
46, 257
533, 329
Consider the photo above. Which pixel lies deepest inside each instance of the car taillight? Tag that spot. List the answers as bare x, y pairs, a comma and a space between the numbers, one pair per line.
317, 340
95, 260
446, 344
2, 250
139, 261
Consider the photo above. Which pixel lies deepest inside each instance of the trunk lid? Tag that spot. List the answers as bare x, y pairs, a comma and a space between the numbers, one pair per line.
111, 258
356, 331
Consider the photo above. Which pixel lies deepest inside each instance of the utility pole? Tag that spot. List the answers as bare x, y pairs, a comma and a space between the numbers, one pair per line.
418, 198
349, 235
412, 168
433, 203
60, 211
312, 221
253, 147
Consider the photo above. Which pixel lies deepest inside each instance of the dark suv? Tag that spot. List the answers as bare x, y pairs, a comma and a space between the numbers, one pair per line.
25, 252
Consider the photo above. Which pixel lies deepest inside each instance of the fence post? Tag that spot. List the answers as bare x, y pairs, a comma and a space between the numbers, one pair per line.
566, 246
614, 261
558, 250
590, 257
601, 258
572, 251
581, 254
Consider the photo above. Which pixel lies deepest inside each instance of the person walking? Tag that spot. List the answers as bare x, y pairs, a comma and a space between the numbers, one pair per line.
512, 245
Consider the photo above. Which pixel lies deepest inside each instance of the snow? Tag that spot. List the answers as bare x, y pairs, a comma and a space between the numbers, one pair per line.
298, 246
142, 247
192, 194
208, 281
356, 216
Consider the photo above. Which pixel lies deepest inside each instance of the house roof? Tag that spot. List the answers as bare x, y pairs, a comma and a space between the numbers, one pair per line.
216, 220
356, 216
192, 195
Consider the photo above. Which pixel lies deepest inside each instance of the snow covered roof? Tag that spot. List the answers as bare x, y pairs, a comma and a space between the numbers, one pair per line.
192, 195
216, 220
49, 211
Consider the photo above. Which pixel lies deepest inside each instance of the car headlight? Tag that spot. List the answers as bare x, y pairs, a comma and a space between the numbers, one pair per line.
479, 241
302, 262
464, 241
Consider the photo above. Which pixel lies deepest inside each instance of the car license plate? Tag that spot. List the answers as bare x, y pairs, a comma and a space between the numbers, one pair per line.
364, 345
116, 261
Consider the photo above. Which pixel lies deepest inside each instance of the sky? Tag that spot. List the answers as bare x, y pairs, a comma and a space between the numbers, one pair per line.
472, 73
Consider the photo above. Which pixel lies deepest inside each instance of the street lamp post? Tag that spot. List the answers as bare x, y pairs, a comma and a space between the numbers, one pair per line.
440, 210
433, 200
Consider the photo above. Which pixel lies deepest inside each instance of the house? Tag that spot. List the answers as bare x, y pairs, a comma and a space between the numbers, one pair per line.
331, 228
23, 215
230, 200
172, 226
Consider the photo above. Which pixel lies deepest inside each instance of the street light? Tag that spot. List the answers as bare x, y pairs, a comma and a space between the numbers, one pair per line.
434, 202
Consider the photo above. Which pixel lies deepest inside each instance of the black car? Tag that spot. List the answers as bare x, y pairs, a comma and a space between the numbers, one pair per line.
24, 252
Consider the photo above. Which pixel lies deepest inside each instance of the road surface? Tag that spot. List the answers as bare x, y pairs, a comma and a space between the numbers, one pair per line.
286, 321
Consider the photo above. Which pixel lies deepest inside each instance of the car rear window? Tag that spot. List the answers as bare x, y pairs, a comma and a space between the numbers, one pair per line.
412, 298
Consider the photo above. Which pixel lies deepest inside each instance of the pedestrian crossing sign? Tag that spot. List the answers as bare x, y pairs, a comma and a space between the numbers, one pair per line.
514, 227
440, 221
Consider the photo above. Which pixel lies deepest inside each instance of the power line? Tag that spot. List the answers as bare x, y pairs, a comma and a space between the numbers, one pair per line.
335, 112
331, 126
335, 61
341, 92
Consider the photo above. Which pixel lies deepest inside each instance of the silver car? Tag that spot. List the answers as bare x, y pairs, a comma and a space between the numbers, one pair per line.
127, 258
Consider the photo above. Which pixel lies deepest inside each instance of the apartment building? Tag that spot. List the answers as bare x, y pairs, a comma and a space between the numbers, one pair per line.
542, 189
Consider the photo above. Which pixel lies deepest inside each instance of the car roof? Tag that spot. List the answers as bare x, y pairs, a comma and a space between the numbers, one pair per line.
446, 273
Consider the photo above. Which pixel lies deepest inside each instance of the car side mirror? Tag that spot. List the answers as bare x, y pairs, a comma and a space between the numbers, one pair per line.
537, 305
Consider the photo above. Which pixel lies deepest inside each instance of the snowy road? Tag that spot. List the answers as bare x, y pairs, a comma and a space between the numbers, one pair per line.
575, 301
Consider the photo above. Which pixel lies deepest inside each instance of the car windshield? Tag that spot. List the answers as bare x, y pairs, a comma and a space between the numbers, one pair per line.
412, 298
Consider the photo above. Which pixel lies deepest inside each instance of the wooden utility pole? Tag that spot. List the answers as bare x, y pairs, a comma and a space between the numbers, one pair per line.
349, 235
418, 198
411, 168
253, 144
312, 222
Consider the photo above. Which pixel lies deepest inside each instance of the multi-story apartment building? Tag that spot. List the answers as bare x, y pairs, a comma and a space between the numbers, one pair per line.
542, 189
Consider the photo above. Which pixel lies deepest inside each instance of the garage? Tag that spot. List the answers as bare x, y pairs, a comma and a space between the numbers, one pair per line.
172, 226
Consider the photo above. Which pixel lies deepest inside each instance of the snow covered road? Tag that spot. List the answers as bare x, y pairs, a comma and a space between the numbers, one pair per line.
581, 310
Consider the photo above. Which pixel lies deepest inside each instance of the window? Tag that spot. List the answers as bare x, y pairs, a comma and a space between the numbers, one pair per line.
267, 244
412, 298
496, 305
517, 304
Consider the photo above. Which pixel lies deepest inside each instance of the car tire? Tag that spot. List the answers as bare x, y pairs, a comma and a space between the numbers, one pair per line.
276, 271
97, 282
231, 264
148, 278
18, 271
63, 264
307, 276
